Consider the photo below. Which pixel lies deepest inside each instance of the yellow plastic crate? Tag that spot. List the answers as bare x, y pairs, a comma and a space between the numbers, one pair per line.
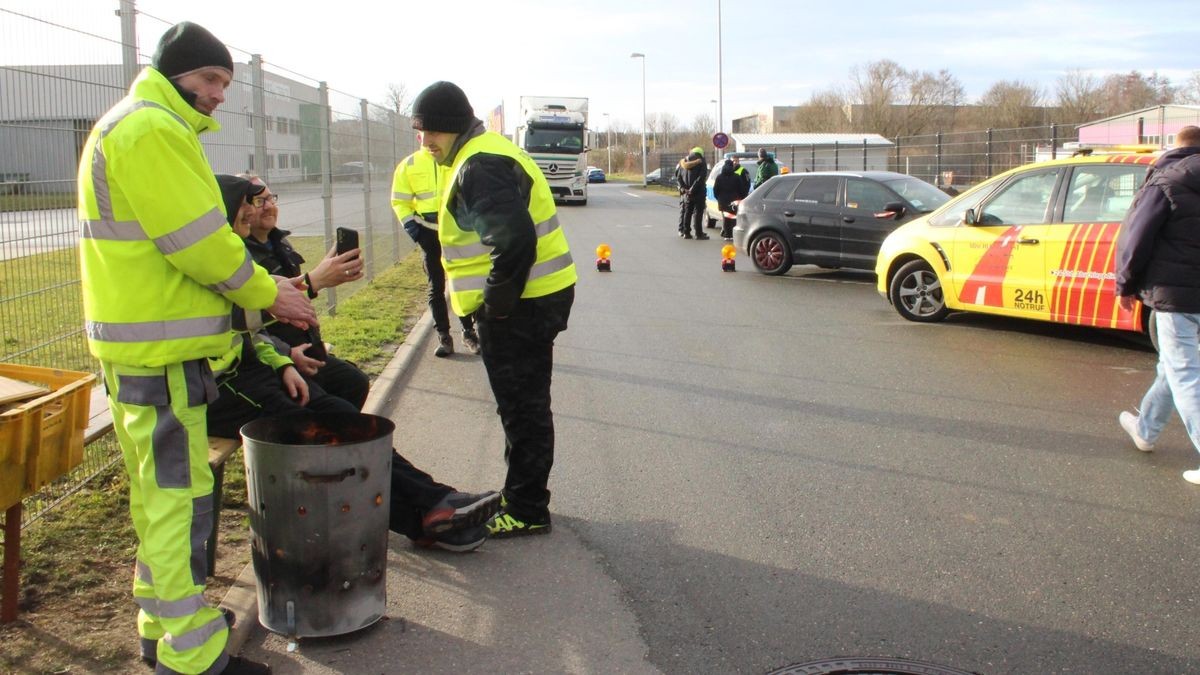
42, 439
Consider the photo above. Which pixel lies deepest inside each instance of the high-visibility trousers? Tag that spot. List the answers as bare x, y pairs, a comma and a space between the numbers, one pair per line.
158, 415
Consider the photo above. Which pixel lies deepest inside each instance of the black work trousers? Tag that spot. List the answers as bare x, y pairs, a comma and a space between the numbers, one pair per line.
518, 353
691, 215
256, 392
431, 252
344, 380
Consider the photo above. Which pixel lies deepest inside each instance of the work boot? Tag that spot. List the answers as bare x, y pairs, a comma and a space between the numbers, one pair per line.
458, 511
457, 541
445, 345
242, 666
471, 340
701, 236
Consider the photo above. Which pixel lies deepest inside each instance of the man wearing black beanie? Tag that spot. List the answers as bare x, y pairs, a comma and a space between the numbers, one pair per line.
507, 265
160, 274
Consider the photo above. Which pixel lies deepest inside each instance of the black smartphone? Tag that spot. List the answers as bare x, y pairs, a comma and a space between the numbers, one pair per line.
347, 240
316, 348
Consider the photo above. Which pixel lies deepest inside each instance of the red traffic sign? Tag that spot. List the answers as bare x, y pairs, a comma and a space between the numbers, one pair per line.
720, 140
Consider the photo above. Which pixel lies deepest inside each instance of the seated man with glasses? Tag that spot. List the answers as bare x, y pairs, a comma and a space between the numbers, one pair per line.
269, 247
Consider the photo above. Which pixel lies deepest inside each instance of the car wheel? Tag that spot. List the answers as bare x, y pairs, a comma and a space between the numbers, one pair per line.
770, 253
916, 293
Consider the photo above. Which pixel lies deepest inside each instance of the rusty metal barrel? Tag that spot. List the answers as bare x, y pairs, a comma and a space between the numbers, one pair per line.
318, 486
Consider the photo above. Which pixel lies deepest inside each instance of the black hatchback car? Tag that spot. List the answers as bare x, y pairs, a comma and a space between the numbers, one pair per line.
834, 219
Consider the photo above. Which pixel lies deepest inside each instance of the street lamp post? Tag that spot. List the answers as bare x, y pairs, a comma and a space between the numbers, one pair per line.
639, 55
608, 139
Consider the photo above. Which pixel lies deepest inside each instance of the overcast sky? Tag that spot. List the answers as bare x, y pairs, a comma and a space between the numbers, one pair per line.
775, 52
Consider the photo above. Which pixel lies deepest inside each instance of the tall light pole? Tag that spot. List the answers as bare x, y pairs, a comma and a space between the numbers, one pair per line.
639, 55
608, 139
720, 83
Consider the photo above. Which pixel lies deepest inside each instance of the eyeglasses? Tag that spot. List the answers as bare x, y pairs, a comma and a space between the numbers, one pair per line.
260, 201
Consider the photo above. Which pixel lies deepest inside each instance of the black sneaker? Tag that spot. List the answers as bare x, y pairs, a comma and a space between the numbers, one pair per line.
471, 341
458, 511
445, 345
505, 525
701, 236
242, 666
458, 541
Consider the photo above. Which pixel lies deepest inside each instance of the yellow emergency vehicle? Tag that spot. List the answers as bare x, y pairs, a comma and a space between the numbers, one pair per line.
1036, 242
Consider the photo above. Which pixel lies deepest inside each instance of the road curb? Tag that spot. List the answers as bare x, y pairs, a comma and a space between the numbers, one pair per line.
242, 596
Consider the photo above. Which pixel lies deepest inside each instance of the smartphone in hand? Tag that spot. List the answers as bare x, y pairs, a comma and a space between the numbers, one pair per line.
347, 240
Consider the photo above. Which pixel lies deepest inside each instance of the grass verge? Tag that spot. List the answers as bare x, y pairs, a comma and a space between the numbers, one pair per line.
77, 614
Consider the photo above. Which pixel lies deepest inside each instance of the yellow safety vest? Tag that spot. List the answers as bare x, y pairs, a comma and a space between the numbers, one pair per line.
160, 264
468, 261
415, 188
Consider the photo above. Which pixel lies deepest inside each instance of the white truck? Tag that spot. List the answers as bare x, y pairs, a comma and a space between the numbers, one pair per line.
554, 132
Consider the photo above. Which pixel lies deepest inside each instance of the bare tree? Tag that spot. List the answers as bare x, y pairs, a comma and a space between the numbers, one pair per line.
824, 112
1080, 97
890, 100
1012, 104
1134, 91
1189, 91
668, 129
397, 98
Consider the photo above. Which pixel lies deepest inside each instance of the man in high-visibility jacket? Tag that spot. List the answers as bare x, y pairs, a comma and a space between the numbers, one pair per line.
509, 266
160, 268
415, 199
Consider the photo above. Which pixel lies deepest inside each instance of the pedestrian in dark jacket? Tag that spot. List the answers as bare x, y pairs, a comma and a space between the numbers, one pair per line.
1158, 260
692, 172
729, 188
767, 168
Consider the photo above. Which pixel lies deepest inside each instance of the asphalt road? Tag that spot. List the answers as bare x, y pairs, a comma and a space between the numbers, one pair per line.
760, 471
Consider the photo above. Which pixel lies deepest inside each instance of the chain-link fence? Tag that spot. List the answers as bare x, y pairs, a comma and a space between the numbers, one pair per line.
329, 156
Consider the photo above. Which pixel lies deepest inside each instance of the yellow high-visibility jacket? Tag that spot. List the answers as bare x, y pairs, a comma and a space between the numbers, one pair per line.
160, 264
415, 190
468, 260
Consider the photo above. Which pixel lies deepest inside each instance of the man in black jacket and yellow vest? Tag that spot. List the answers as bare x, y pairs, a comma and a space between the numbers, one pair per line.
508, 265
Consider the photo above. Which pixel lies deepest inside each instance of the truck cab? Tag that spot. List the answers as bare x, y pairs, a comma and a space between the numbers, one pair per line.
554, 133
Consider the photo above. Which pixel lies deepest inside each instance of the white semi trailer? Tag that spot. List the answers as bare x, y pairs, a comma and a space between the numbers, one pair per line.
554, 132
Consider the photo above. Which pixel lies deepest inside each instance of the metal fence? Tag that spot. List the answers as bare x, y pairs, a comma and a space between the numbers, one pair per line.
327, 153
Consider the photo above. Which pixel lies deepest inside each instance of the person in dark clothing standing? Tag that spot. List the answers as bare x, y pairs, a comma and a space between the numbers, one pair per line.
508, 264
1158, 260
729, 188
270, 248
692, 172
767, 168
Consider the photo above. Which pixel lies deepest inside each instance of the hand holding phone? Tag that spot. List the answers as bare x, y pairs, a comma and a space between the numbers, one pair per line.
347, 240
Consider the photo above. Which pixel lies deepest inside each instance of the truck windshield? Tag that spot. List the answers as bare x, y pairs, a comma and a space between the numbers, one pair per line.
567, 141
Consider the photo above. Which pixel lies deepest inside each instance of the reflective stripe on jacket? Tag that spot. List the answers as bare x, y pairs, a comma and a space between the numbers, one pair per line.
468, 261
415, 184
160, 264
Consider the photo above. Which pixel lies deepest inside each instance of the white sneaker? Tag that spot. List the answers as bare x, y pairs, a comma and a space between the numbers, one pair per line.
1192, 476
1129, 422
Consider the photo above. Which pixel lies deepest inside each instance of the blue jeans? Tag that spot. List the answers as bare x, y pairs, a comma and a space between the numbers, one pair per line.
1177, 385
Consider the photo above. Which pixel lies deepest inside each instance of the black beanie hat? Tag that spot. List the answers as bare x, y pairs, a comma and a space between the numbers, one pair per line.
188, 46
234, 191
442, 106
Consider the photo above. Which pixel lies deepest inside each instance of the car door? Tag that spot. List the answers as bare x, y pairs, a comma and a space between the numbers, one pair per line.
864, 221
815, 222
999, 260
1081, 247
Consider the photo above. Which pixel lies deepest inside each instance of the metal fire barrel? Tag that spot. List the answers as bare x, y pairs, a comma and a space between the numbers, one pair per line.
318, 486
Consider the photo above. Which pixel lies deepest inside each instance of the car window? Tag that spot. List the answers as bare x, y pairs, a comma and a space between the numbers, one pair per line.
1024, 201
1101, 193
867, 195
776, 188
817, 190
